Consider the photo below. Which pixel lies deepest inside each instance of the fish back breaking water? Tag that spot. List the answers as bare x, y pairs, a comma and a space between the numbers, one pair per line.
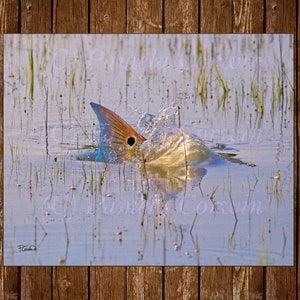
165, 143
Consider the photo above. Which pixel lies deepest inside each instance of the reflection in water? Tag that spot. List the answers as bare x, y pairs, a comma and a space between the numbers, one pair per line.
173, 180
164, 194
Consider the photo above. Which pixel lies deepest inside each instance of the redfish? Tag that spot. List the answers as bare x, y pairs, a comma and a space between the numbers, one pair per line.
119, 143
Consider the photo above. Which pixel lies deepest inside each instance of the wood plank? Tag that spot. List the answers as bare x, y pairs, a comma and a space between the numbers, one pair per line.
70, 16
108, 283
297, 155
144, 16
216, 283
248, 16
35, 16
181, 283
216, 16
181, 16
248, 283
10, 283
144, 283
36, 283
9, 16
107, 16
281, 16
70, 283
281, 283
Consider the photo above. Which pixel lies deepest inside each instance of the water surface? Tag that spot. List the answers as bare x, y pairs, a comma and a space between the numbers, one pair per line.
233, 91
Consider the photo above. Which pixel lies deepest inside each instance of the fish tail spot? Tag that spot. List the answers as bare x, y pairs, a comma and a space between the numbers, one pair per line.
131, 141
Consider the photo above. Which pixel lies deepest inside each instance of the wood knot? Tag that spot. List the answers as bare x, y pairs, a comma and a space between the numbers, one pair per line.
65, 283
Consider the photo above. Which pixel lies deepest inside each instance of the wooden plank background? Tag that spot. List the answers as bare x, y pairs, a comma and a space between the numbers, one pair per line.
156, 16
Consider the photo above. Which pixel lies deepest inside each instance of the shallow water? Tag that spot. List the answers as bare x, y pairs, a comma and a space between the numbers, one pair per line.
235, 90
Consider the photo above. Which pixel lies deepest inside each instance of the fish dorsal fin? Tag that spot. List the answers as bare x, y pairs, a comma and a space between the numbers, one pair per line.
119, 142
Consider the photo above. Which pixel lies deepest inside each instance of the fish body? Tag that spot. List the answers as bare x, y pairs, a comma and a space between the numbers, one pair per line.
119, 143
178, 149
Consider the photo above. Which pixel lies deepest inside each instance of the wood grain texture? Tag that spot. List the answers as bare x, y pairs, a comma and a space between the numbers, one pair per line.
107, 16
216, 16
297, 155
9, 288
181, 283
144, 283
144, 16
216, 283
108, 283
70, 16
248, 283
281, 16
9, 15
248, 16
36, 16
181, 16
281, 283
36, 283
70, 283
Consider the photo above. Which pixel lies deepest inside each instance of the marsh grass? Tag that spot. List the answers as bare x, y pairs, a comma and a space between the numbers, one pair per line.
16, 158
202, 87
199, 52
264, 259
212, 198
97, 176
59, 170
73, 74
46, 121
225, 89
231, 199
239, 100
31, 70
284, 235
258, 98
276, 96
278, 187
274, 187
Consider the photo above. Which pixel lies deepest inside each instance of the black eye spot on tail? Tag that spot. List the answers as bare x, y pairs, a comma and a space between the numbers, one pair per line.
131, 141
